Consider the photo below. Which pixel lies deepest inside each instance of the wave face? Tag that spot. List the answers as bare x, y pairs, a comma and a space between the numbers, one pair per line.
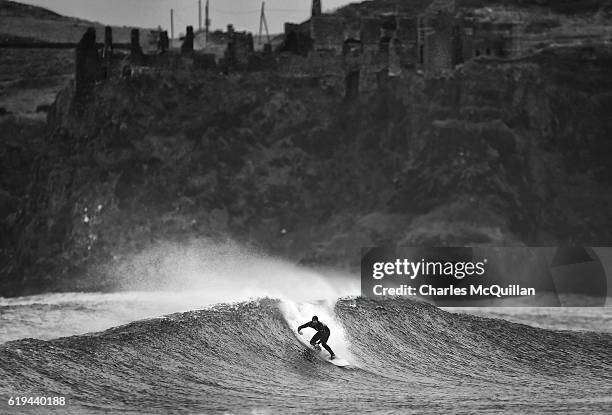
245, 358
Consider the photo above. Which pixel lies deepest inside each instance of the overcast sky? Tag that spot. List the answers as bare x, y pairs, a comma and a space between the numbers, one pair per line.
244, 14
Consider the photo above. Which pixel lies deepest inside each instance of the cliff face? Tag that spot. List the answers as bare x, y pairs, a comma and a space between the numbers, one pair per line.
500, 153
529, 138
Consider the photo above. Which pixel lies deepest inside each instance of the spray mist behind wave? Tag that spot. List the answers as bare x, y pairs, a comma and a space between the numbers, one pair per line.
227, 272
173, 277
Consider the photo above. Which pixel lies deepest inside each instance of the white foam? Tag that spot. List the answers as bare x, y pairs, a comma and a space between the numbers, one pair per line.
297, 314
226, 272
169, 278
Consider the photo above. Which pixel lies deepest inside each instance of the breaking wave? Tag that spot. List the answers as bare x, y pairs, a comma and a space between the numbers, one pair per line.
245, 357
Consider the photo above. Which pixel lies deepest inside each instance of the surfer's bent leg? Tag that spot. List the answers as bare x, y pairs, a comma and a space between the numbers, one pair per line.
326, 347
315, 338
324, 338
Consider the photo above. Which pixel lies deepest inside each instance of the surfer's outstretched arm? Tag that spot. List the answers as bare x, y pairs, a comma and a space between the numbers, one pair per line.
303, 326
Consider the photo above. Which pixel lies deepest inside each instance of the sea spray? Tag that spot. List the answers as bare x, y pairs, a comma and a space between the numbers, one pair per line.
297, 314
228, 272
167, 278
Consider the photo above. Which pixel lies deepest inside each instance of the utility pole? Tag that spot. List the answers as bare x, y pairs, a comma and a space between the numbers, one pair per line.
171, 25
207, 22
200, 15
263, 22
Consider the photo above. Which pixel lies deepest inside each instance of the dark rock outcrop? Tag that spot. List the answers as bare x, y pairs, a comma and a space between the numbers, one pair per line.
497, 153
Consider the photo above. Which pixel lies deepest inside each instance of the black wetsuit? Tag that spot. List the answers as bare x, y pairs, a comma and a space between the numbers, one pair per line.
321, 336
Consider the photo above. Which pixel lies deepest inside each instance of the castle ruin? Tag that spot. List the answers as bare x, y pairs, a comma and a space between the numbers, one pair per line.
435, 41
360, 53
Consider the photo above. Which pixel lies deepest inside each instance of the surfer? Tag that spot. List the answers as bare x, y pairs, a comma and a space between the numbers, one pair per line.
321, 336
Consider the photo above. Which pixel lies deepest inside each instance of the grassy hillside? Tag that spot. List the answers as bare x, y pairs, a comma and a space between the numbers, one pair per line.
32, 77
36, 23
14, 9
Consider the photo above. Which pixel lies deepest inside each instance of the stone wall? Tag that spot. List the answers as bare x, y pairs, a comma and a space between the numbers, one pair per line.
407, 49
328, 32
88, 66
370, 31
135, 48
439, 43
239, 50
317, 8
187, 46
496, 39
291, 27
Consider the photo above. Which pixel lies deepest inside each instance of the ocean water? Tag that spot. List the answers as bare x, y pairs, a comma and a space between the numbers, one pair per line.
554, 318
208, 328
244, 356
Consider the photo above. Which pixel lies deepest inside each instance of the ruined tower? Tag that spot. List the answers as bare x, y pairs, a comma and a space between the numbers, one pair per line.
87, 63
317, 10
107, 51
135, 48
187, 46
436, 37
108, 42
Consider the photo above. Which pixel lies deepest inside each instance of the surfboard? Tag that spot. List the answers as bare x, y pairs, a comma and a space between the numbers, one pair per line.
337, 361
324, 355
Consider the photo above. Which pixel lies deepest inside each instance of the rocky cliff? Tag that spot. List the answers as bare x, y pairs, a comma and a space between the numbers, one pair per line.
499, 153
